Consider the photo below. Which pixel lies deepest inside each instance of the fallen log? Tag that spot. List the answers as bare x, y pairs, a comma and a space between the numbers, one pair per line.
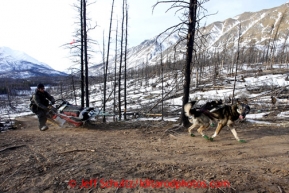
11, 148
153, 115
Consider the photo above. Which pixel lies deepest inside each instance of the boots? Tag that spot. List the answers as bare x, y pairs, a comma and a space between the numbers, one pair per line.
43, 128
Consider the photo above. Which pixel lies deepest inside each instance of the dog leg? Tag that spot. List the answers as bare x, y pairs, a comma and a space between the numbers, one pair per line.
236, 136
218, 130
190, 130
200, 130
233, 130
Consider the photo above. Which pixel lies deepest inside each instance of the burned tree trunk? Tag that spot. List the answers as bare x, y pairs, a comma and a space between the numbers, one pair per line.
189, 55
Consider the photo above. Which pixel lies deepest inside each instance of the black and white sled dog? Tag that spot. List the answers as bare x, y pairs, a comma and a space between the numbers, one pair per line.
224, 116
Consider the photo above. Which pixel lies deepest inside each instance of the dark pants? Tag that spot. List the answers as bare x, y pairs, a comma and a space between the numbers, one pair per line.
42, 117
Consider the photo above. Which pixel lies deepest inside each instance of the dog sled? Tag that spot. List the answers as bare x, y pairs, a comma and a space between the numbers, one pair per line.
62, 112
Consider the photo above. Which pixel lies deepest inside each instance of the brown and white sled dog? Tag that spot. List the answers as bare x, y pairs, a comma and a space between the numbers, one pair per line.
224, 116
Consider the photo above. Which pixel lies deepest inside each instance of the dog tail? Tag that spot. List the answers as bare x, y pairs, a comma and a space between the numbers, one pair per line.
188, 107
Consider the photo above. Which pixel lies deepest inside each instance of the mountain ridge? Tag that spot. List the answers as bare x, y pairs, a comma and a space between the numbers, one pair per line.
259, 30
16, 64
256, 28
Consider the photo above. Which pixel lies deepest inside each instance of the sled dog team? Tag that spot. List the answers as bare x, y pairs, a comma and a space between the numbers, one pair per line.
215, 112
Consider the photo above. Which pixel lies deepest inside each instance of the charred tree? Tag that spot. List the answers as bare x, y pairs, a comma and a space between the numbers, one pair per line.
81, 54
189, 23
237, 61
120, 62
106, 64
80, 48
189, 55
125, 60
85, 54
115, 77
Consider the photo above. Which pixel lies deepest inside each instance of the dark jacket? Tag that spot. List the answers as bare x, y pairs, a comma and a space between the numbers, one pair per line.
42, 99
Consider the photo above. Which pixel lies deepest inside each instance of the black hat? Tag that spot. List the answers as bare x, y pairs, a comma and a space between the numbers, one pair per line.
40, 86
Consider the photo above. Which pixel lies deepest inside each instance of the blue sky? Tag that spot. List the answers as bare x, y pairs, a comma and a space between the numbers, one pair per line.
40, 27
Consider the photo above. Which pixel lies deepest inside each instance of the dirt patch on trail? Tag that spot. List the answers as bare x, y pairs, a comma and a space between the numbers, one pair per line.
143, 157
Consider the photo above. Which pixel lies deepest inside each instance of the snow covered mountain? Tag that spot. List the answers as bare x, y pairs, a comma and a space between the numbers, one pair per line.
146, 53
16, 64
257, 31
260, 33
268, 27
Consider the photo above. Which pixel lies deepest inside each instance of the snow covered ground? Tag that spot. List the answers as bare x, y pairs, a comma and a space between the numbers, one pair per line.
142, 93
